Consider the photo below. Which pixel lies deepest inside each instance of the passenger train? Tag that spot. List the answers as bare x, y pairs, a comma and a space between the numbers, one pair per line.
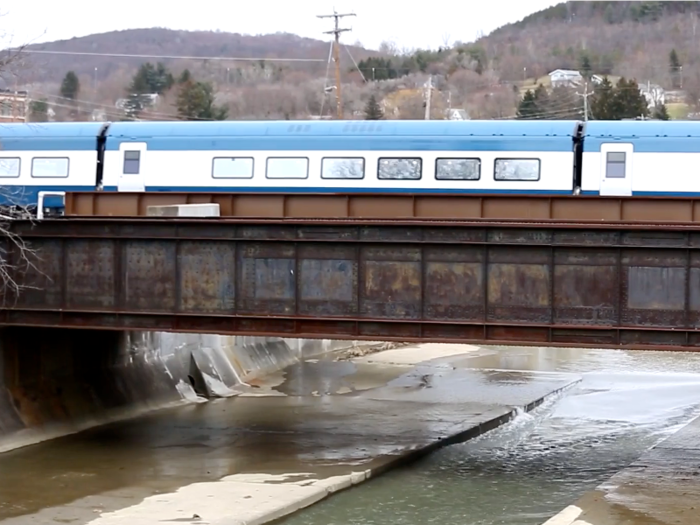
620, 158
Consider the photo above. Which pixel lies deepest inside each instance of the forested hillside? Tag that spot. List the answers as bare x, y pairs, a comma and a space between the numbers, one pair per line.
652, 43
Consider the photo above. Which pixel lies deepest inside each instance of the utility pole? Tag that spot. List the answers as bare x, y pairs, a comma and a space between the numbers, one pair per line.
336, 52
585, 96
428, 97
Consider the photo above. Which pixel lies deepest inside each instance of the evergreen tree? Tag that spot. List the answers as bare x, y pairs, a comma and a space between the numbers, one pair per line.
151, 79
629, 101
39, 111
542, 97
195, 101
674, 68
660, 112
375, 68
70, 87
373, 111
527, 109
622, 101
184, 77
562, 103
602, 101
585, 67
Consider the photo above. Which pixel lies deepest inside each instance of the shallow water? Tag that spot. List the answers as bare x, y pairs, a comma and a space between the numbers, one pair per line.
530, 469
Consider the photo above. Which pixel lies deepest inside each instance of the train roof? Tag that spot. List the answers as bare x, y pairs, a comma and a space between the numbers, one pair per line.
630, 129
387, 128
646, 136
50, 129
50, 136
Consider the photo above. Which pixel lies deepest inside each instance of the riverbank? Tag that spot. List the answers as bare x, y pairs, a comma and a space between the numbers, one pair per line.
294, 438
662, 487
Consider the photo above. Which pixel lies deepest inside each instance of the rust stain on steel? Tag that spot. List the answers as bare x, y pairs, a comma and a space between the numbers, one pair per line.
89, 273
207, 277
479, 282
392, 206
392, 282
149, 275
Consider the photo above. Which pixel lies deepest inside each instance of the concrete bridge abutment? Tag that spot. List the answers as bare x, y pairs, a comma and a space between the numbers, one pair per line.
57, 381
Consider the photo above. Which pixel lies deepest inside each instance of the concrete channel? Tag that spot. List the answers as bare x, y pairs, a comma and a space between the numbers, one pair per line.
285, 441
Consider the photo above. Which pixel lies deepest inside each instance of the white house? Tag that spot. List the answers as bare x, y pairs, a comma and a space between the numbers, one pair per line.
655, 94
457, 114
565, 77
570, 78
150, 100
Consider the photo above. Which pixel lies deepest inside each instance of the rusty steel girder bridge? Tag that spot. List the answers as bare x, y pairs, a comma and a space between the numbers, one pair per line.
546, 282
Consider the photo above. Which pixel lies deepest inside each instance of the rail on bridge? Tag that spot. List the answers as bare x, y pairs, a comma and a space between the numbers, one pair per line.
553, 282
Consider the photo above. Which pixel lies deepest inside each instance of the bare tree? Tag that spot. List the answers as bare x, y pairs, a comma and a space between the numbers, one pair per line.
17, 257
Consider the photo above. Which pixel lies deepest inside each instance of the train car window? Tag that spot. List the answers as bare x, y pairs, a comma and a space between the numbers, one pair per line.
232, 168
458, 169
287, 168
9, 167
400, 169
46, 167
337, 168
132, 162
615, 164
517, 169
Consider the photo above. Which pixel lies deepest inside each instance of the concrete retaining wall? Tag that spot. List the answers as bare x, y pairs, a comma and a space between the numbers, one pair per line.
55, 382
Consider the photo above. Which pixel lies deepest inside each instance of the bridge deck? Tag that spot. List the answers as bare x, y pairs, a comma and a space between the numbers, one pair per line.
484, 282
393, 206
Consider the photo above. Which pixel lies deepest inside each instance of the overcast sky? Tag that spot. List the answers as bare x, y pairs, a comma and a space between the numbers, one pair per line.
409, 24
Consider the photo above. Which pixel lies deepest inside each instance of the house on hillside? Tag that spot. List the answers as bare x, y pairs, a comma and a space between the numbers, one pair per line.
149, 100
565, 78
570, 78
655, 94
675, 96
457, 114
13, 105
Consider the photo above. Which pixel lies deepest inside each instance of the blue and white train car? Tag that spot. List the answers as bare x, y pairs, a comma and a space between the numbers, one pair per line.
633, 158
620, 158
535, 157
47, 157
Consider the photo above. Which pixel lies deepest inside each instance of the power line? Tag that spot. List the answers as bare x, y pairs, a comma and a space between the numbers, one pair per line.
172, 57
336, 32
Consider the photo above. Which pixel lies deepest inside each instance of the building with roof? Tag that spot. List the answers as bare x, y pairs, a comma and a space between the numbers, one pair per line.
14, 105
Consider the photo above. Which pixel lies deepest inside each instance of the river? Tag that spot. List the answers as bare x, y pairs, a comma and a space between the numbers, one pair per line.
530, 469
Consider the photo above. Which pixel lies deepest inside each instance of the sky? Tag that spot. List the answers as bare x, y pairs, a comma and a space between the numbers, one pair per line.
408, 24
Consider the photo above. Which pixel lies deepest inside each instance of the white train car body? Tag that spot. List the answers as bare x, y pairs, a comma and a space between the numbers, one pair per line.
341, 157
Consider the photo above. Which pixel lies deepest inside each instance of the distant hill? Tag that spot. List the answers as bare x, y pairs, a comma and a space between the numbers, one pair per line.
159, 41
609, 12
486, 77
621, 38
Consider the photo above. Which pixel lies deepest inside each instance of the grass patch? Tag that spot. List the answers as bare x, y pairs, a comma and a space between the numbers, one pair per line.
677, 110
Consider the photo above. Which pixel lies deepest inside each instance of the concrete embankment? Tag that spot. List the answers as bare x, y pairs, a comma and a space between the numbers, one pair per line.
660, 488
321, 426
55, 382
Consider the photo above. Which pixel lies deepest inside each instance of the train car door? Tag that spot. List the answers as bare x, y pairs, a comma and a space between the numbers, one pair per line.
131, 176
616, 169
